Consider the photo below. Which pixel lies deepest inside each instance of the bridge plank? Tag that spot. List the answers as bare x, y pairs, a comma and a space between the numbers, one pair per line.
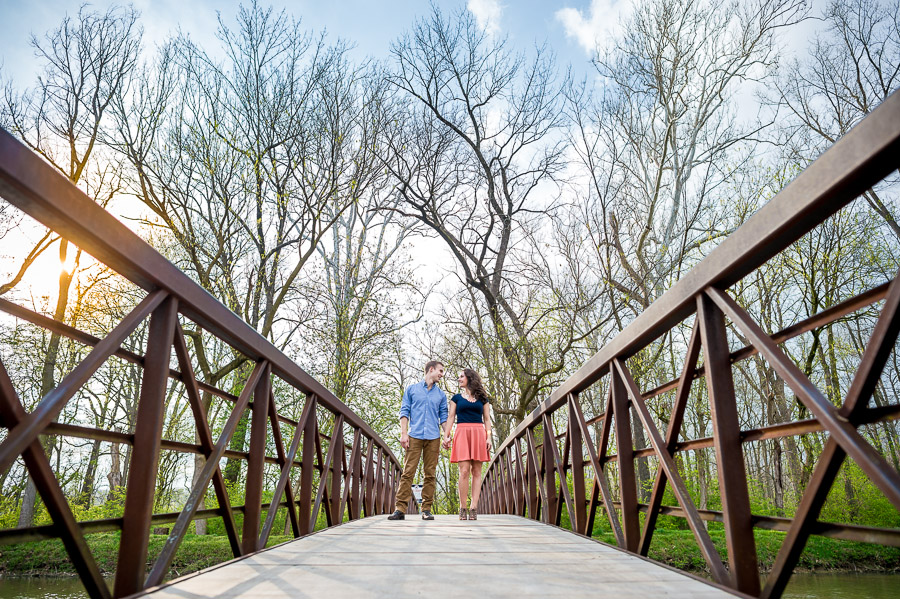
497, 556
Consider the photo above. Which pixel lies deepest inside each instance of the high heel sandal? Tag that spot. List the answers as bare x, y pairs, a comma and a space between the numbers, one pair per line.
473, 514
463, 513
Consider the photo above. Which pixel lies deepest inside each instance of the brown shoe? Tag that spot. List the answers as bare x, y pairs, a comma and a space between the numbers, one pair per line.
463, 513
473, 514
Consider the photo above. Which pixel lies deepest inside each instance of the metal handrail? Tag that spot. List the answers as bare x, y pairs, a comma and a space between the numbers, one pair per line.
357, 478
523, 480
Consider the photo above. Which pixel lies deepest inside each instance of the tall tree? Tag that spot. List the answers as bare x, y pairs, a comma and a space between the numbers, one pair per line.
86, 61
850, 68
476, 162
251, 168
661, 141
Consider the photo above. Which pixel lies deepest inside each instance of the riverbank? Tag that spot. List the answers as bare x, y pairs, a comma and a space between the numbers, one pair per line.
673, 547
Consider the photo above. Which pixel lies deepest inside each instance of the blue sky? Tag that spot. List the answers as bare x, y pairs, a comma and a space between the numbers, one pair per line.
568, 26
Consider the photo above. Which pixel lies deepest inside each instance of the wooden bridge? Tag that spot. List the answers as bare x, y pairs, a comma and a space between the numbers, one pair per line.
327, 459
497, 556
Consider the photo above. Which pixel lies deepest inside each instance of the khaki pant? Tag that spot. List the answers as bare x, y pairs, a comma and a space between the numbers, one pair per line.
431, 448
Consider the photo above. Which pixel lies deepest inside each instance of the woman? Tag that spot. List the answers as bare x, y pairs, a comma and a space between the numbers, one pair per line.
471, 443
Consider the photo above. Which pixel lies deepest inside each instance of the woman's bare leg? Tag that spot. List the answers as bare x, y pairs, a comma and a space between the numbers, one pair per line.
476, 483
464, 469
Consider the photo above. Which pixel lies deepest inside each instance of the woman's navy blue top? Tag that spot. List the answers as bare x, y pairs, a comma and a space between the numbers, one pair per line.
468, 411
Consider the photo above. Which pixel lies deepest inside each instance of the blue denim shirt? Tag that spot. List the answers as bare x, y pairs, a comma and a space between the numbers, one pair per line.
426, 410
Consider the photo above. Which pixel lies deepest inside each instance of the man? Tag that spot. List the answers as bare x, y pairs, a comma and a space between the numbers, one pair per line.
423, 412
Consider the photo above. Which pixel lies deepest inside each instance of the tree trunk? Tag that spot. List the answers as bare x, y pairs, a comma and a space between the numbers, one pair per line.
29, 498
233, 466
238, 440
115, 472
48, 374
778, 477
199, 462
86, 495
641, 467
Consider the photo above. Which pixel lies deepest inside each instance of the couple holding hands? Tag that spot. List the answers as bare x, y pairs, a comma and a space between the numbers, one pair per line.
426, 415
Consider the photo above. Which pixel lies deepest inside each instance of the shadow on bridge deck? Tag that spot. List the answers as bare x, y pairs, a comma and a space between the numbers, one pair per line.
497, 556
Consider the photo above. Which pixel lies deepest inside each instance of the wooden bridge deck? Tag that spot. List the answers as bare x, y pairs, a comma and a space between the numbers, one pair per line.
497, 556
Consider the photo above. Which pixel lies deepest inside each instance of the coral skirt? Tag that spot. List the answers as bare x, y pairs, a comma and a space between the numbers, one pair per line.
469, 443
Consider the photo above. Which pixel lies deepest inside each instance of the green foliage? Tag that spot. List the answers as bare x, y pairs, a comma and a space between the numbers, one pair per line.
9, 512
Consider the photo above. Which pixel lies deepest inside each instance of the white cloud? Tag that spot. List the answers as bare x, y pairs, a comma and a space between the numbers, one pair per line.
602, 18
487, 13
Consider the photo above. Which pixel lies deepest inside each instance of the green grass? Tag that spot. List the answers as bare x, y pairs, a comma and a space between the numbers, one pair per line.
678, 548
673, 547
50, 558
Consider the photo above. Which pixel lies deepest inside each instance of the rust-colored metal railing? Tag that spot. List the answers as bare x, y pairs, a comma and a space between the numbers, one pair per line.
528, 477
355, 478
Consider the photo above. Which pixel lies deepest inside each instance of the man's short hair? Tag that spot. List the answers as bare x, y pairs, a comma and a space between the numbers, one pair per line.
432, 364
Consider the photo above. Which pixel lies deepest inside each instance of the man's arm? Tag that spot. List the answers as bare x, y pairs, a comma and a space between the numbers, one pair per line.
443, 413
404, 432
448, 425
405, 405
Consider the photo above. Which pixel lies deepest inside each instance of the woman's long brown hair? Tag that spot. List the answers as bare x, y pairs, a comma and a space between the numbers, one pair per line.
475, 386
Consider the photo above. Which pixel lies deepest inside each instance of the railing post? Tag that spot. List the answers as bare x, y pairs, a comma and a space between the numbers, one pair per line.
491, 484
259, 428
392, 490
531, 484
379, 483
337, 465
356, 477
729, 453
551, 508
513, 485
310, 432
495, 491
501, 485
521, 491
577, 452
541, 508
625, 451
369, 493
139, 497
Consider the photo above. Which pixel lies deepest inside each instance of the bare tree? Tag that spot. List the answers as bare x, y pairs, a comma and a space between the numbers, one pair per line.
476, 162
250, 167
661, 142
365, 286
370, 294
86, 61
850, 69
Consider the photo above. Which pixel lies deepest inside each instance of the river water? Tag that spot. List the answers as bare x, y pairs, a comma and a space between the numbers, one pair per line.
802, 586
843, 586
49, 587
